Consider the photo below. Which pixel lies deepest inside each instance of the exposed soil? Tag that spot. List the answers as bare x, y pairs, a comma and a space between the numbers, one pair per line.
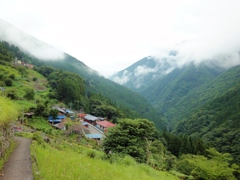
18, 166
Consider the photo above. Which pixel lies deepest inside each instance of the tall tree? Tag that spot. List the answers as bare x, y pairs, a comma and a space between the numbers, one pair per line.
130, 137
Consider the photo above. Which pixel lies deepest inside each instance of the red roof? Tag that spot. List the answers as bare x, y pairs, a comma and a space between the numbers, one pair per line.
82, 115
105, 123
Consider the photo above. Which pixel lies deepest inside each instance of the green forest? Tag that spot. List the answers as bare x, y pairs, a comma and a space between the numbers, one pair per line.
201, 143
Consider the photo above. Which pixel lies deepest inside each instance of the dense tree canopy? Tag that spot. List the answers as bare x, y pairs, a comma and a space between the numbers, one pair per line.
130, 137
29, 94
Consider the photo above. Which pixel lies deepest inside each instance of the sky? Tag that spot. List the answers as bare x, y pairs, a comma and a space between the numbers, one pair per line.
110, 35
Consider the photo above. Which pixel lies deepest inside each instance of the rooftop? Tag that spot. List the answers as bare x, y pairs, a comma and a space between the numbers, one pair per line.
94, 136
90, 117
106, 123
81, 115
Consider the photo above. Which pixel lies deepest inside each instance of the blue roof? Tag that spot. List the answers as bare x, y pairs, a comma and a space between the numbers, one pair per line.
94, 136
55, 120
85, 123
58, 117
69, 112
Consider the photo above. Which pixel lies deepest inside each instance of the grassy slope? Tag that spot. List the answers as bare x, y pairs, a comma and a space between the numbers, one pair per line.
68, 164
63, 159
21, 82
8, 111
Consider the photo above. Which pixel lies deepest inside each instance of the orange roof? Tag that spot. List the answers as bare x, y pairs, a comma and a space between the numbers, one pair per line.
82, 115
105, 123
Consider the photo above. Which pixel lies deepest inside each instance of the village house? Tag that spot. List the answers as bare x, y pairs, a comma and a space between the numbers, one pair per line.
28, 114
59, 119
60, 126
61, 111
104, 125
80, 129
21, 63
81, 116
91, 119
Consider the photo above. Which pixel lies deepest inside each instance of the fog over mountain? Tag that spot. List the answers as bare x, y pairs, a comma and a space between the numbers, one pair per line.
28, 43
142, 73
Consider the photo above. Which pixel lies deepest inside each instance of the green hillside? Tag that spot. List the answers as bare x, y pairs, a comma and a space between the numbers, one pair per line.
94, 83
182, 90
217, 122
133, 145
121, 95
203, 103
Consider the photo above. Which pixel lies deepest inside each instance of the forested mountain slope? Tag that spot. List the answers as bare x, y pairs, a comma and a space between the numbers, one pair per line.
178, 92
117, 93
122, 96
217, 122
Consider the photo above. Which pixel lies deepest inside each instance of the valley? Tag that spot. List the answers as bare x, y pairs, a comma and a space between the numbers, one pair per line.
182, 121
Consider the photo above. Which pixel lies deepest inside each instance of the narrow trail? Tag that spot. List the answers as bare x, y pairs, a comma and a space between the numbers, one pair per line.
18, 166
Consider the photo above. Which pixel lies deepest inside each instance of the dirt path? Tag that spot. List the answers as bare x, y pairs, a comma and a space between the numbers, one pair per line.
18, 166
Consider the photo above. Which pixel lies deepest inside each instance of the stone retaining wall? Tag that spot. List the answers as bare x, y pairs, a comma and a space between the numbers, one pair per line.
6, 135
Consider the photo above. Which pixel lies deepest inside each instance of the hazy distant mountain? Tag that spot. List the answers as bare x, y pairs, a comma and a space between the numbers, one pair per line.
141, 74
28, 43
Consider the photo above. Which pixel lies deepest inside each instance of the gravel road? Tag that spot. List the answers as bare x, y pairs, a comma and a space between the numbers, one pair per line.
18, 166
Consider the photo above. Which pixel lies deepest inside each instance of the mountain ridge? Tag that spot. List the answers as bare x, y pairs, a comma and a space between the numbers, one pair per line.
93, 80
140, 74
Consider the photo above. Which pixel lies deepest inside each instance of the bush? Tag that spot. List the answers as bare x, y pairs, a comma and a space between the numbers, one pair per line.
128, 160
8, 82
2, 83
12, 94
29, 94
122, 159
34, 79
91, 154
94, 154
12, 76
202, 168
38, 137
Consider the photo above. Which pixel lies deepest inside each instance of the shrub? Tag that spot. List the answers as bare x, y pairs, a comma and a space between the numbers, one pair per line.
94, 154
29, 94
122, 159
38, 137
91, 154
202, 168
128, 160
34, 79
2, 83
12, 76
8, 82
12, 94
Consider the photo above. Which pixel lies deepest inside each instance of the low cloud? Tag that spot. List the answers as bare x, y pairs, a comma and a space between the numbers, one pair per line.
123, 79
27, 43
143, 70
223, 55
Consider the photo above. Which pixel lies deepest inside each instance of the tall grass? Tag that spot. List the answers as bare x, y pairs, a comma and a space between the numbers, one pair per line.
8, 111
86, 164
7, 154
